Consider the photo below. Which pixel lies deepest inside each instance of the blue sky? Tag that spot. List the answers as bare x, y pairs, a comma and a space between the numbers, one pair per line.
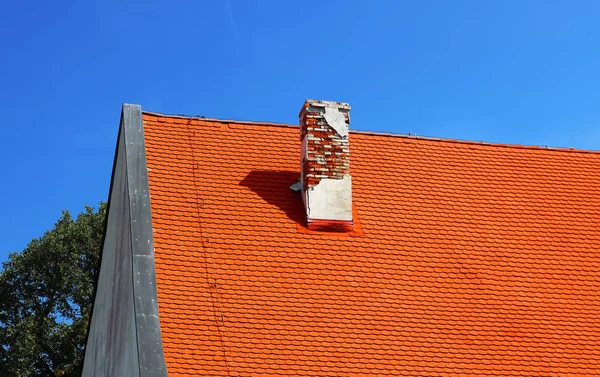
522, 72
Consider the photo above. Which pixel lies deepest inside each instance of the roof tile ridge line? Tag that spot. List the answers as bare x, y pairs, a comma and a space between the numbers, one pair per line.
214, 295
389, 134
145, 304
219, 120
484, 143
474, 142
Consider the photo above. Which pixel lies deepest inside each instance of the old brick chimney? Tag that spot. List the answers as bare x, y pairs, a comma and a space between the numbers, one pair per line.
326, 183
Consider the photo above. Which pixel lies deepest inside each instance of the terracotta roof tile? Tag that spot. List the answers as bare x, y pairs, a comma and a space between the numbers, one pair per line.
473, 260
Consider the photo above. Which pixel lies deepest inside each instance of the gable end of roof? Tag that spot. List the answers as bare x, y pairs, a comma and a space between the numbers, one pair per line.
124, 337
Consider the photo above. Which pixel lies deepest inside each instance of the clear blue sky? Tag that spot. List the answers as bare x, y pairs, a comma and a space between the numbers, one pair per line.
523, 72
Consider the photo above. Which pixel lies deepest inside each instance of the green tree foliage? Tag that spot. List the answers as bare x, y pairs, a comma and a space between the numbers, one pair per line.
46, 294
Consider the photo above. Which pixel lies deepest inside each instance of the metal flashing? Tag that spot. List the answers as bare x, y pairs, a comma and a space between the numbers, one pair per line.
124, 337
149, 341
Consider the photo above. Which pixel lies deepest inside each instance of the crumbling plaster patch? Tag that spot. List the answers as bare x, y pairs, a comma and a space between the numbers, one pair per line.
336, 120
330, 199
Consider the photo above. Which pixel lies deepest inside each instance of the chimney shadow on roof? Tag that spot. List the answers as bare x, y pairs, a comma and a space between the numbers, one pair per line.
273, 186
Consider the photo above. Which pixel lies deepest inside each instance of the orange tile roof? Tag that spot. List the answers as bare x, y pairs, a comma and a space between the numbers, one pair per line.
473, 259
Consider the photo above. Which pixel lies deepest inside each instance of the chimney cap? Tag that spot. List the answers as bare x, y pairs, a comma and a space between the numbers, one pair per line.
320, 103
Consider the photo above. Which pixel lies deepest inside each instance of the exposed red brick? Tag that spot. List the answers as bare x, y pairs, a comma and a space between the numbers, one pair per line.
328, 152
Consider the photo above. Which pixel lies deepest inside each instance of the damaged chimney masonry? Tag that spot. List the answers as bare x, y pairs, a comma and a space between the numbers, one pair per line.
325, 164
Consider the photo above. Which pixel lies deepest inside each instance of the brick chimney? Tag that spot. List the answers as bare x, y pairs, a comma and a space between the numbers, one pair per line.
325, 165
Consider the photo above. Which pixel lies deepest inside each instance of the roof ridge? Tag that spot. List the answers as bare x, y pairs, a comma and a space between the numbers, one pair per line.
377, 133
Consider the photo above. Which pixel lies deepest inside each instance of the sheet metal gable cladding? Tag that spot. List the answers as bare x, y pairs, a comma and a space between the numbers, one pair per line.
325, 164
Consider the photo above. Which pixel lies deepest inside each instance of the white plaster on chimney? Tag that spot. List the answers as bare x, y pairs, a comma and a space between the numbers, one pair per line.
331, 199
336, 120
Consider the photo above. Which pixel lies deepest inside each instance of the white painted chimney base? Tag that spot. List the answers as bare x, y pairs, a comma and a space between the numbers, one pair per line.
331, 199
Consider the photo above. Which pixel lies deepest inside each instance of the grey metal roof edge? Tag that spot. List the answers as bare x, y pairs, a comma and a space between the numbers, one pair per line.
149, 340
